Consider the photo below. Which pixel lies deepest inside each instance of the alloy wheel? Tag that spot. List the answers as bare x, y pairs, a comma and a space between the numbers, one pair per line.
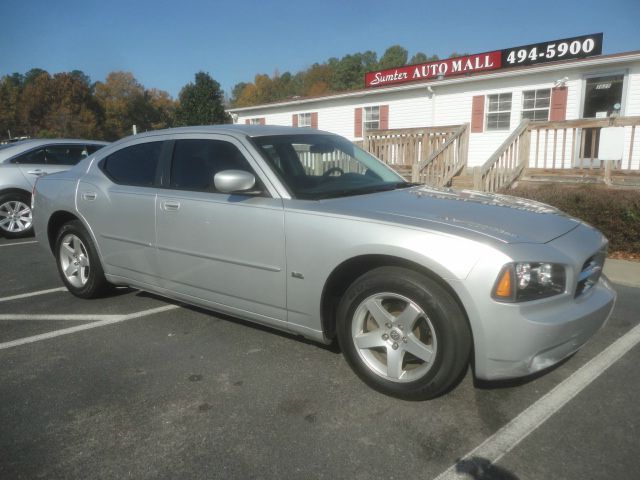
74, 260
394, 337
15, 216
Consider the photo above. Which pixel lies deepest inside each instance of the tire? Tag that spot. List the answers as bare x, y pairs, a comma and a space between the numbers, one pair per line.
16, 219
78, 262
403, 333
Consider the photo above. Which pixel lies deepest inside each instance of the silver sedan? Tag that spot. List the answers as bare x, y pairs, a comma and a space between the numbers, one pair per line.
21, 163
302, 231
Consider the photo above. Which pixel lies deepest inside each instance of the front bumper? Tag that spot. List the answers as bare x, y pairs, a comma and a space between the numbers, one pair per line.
538, 339
517, 339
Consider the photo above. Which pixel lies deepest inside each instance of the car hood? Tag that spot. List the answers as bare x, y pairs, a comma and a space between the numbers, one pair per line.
502, 217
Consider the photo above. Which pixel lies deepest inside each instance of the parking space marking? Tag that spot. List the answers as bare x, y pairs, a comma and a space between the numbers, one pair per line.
33, 294
505, 439
86, 326
18, 243
56, 317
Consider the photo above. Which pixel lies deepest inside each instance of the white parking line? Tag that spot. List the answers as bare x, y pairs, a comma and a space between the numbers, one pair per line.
505, 439
66, 331
33, 294
18, 243
57, 317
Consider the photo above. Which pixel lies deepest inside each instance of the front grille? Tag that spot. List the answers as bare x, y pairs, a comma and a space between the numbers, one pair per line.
590, 273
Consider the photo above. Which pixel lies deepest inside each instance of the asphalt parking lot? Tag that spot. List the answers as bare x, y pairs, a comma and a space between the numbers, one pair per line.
133, 386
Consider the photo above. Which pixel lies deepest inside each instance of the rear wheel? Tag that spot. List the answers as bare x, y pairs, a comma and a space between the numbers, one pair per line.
16, 219
78, 262
403, 333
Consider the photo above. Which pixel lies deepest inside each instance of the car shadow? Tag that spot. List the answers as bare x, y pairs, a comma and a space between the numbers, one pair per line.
479, 468
333, 347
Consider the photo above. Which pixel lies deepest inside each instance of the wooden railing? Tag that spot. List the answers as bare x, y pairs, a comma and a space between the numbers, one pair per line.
508, 161
574, 144
434, 155
444, 163
430, 155
406, 146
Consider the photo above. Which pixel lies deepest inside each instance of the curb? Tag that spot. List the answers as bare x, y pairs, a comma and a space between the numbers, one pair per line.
623, 272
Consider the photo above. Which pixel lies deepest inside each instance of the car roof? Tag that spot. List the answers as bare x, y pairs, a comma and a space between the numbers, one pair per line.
11, 149
35, 142
236, 130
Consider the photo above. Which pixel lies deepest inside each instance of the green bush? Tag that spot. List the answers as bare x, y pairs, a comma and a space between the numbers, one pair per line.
614, 212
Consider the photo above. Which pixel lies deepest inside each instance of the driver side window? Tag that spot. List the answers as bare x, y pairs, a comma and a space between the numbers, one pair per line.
195, 163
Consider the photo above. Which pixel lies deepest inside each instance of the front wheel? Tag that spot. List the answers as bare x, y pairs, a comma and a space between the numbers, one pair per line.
403, 333
78, 262
16, 219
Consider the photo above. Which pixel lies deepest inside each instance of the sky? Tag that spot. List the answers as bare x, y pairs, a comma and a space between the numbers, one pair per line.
164, 43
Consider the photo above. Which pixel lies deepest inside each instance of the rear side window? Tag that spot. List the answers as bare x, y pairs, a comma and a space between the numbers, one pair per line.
65, 154
195, 162
135, 165
57, 154
93, 148
32, 157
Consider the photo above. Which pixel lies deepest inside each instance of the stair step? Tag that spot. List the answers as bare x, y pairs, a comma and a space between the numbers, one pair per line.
462, 182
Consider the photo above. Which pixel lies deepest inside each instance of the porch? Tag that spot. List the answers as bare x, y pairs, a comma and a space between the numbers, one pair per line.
571, 151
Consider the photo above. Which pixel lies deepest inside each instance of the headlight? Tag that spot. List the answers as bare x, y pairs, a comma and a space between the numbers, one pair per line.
523, 281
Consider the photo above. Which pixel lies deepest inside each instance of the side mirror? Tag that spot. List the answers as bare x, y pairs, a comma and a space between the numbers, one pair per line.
230, 181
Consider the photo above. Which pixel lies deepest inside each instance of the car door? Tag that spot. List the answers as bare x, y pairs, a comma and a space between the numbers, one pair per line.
49, 159
222, 250
117, 199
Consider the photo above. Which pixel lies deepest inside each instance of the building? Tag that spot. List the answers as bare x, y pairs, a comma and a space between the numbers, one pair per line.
566, 89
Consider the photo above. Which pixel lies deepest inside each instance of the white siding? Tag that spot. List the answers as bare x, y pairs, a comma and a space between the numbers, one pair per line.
632, 108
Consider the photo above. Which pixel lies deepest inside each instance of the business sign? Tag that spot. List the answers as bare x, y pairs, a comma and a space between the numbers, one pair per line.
565, 49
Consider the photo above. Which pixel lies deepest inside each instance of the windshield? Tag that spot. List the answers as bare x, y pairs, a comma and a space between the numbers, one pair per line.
325, 166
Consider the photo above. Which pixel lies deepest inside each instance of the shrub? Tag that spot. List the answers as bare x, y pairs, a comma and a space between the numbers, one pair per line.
614, 212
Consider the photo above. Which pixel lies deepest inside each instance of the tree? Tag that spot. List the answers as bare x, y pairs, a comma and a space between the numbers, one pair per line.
421, 57
317, 79
10, 90
394, 56
349, 71
35, 101
161, 109
32, 74
72, 109
201, 103
236, 92
120, 98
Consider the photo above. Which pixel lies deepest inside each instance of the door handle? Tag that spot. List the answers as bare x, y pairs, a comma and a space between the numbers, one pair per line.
171, 206
89, 196
37, 172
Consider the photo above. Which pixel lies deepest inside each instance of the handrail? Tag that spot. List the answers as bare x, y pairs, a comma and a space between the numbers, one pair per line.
507, 162
423, 163
587, 123
502, 148
445, 162
406, 147
405, 131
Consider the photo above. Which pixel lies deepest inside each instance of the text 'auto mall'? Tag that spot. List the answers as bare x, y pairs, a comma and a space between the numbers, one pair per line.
556, 83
